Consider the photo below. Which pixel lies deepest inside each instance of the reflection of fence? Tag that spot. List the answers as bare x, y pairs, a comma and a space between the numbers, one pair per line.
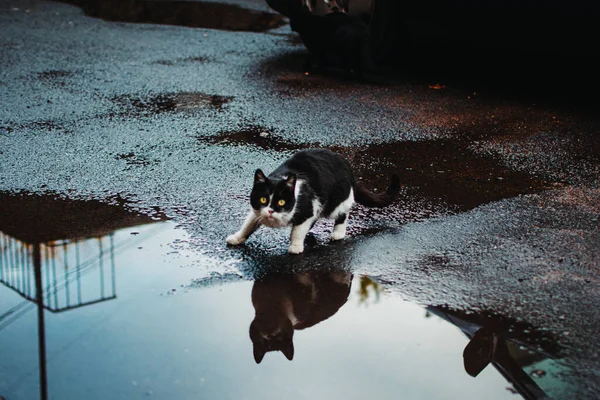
63, 272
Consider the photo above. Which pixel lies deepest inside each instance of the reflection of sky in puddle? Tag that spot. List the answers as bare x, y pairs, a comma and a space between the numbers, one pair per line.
194, 343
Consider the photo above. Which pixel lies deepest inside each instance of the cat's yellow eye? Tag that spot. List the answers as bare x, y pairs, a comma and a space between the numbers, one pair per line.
281, 203
263, 200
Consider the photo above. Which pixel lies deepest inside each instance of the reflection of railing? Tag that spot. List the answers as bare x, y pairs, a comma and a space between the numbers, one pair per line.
62, 271
42, 238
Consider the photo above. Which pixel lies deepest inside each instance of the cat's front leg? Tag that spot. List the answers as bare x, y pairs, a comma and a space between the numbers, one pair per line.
299, 232
250, 225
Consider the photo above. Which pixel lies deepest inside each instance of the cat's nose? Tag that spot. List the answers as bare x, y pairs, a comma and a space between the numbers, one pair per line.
270, 212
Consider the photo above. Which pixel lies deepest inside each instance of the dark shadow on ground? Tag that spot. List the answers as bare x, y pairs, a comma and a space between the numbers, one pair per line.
526, 50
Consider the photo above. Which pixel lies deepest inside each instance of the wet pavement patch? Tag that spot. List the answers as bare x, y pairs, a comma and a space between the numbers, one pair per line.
571, 157
446, 169
6, 129
56, 77
196, 59
168, 102
441, 169
251, 136
165, 62
133, 159
292, 79
37, 126
296, 86
194, 14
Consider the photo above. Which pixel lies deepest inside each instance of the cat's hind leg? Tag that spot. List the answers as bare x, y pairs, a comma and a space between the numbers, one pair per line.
250, 225
339, 229
341, 214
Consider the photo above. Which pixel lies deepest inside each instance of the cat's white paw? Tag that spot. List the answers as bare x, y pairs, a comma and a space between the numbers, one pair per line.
296, 248
337, 235
235, 239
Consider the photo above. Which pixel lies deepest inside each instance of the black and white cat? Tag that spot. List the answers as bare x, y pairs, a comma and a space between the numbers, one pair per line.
312, 184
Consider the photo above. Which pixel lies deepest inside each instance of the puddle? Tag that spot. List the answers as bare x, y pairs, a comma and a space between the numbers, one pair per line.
252, 136
441, 169
123, 303
91, 293
169, 102
194, 14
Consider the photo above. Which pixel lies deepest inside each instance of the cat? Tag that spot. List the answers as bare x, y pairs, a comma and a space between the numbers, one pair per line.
312, 184
336, 40
284, 303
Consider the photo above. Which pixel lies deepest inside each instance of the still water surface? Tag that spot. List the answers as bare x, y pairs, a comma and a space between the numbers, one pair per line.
120, 317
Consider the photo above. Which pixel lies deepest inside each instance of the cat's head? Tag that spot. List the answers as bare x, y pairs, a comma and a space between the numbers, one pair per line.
273, 200
272, 335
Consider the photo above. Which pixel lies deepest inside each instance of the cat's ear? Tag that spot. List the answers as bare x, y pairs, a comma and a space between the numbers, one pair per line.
259, 354
479, 352
291, 181
259, 176
288, 350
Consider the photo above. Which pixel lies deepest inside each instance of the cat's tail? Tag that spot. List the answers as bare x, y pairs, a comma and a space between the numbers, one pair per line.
369, 199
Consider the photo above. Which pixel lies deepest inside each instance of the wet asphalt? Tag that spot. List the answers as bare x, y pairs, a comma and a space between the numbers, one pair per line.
500, 201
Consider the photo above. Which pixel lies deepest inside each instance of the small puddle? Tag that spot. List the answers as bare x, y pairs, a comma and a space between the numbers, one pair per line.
92, 294
251, 136
168, 102
195, 14
445, 169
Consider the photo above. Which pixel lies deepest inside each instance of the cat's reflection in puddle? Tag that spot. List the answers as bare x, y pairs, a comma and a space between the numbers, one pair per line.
285, 302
